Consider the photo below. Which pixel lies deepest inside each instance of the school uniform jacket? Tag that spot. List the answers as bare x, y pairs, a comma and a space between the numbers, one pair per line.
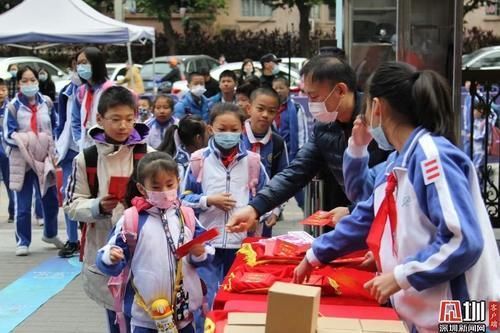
153, 265
187, 105
63, 130
112, 160
288, 127
216, 179
157, 131
445, 248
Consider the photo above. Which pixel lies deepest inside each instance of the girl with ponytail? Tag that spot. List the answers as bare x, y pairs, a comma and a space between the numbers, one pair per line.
425, 221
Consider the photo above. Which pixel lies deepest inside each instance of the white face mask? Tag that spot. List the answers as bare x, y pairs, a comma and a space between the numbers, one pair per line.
198, 90
320, 112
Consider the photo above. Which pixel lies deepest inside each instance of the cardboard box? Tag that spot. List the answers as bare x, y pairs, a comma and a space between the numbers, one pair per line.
244, 329
292, 308
385, 326
339, 324
246, 318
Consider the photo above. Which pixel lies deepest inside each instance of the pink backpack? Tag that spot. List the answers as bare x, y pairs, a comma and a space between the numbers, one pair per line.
117, 285
197, 159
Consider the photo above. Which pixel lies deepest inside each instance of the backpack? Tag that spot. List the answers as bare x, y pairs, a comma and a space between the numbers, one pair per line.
90, 156
117, 285
198, 158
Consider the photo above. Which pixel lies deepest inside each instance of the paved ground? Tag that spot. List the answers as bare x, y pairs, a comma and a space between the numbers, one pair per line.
70, 311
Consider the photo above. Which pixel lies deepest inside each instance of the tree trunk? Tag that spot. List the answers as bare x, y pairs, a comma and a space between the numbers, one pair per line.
304, 29
170, 34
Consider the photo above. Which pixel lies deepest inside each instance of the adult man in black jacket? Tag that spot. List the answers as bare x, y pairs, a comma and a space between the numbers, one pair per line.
331, 86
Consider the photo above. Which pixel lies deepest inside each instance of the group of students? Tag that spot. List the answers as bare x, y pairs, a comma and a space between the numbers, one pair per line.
212, 158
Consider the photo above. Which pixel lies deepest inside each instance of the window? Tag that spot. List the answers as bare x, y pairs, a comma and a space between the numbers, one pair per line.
493, 8
331, 12
255, 8
489, 60
315, 12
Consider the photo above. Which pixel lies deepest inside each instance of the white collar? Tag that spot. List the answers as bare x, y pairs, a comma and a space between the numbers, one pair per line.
251, 136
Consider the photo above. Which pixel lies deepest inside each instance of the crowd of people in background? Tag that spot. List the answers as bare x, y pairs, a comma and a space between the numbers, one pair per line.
228, 155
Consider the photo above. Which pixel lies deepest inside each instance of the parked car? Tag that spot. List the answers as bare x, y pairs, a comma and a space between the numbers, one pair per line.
117, 71
187, 64
485, 58
180, 87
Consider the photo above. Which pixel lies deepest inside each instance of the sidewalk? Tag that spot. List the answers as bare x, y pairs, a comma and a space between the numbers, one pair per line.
70, 310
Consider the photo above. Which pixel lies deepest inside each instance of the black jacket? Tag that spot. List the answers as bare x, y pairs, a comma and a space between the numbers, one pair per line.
325, 148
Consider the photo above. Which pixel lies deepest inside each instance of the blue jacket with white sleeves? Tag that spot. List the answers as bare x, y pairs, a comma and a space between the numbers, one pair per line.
215, 178
445, 248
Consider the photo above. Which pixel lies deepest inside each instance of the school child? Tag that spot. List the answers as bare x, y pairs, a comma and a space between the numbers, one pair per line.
184, 138
287, 124
4, 159
220, 179
259, 137
194, 102
163, 226
243, 93
227, 85
67, 149
91, 68
119, 144
29, 120
161, 121
425, 222
145, 107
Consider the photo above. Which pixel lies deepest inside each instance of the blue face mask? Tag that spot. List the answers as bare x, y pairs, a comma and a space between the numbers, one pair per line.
227, 140
13, 73
84, 71
379, 135
29, 90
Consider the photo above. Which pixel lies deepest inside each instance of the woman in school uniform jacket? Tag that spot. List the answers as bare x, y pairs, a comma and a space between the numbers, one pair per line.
112, 160
153, 265
452, 255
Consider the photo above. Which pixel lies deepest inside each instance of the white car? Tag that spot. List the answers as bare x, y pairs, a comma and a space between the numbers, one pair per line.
296, 62
117, 71
59, 76
181, 87
484, 59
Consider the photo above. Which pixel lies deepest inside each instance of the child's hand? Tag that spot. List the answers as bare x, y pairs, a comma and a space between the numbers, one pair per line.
302, 271
382, 287
272, 220
368, 263
197, 250
360, 133
116, 254
223, 201
107, 204
336, 214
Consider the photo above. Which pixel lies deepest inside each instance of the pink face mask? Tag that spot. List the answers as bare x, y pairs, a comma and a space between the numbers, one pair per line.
164, 199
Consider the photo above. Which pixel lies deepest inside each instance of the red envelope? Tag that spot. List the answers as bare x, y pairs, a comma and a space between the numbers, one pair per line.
347, 261
204, 237
316, 220
118, 187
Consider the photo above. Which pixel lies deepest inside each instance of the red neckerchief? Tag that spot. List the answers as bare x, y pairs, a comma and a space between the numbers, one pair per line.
387, 209
277, 119
34, 122
88, 104
141, 204
227, 160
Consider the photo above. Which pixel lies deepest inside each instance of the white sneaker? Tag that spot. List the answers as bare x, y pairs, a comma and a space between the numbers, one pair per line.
39, 221
54, 240
22, 251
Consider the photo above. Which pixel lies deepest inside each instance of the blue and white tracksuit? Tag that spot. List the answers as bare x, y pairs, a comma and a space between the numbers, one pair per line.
157, 131
266, 150
182, 157
219, 98
153, 265
288, 127
445, 247
21, 122
217, 179
4, 162
67, 148
188, 105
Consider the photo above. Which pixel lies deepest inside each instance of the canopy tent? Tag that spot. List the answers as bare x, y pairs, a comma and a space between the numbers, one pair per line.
67, 21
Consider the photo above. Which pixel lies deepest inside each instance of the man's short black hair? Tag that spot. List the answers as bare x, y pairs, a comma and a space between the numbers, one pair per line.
228, 73
190, 76
323, 68
116, 96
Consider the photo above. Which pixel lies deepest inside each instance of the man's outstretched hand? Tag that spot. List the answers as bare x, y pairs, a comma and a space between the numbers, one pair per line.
242, 220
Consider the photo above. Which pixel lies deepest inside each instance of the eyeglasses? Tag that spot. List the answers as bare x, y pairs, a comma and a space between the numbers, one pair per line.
117, 121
